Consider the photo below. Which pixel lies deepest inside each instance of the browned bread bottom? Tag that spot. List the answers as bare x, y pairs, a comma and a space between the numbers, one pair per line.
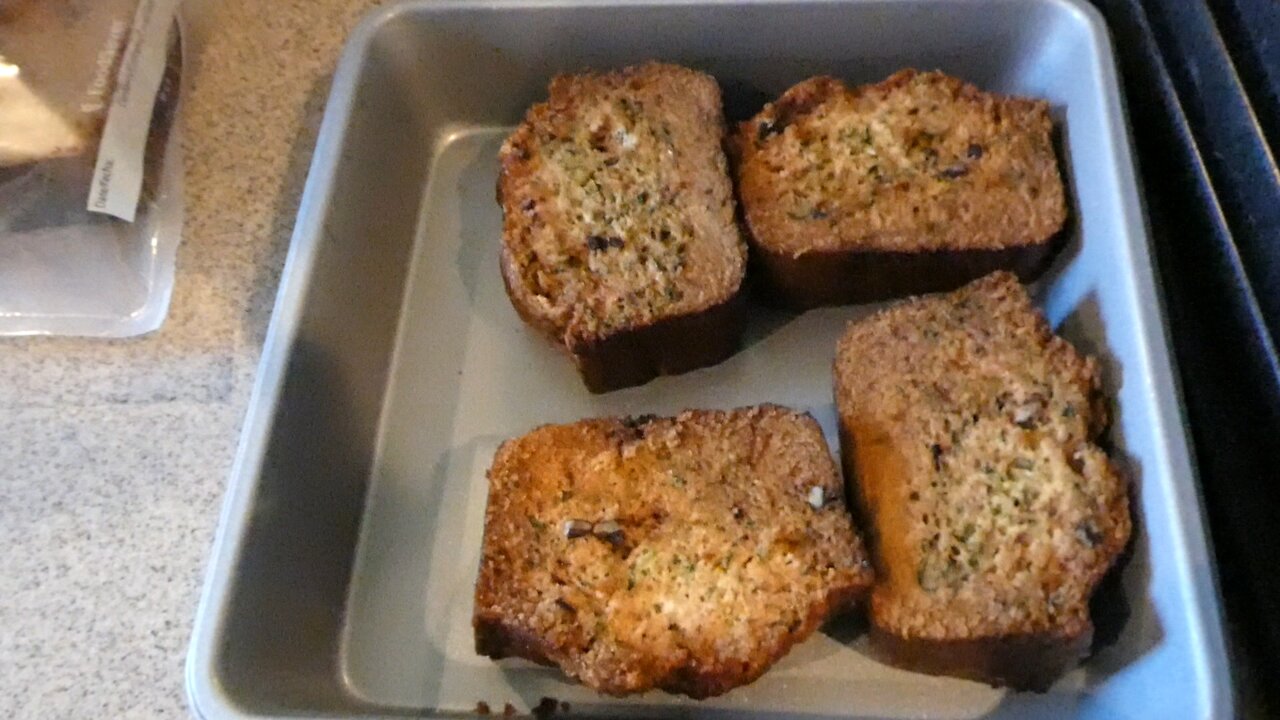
1023, 662
842, 277
670, 346
687, 553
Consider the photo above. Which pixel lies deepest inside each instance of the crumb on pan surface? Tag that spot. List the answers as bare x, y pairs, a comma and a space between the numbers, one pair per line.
680, 553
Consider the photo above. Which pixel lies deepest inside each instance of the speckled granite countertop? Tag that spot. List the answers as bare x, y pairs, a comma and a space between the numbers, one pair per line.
114, 454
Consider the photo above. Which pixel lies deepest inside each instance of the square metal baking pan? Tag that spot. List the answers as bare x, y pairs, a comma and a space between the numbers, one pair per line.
341, 579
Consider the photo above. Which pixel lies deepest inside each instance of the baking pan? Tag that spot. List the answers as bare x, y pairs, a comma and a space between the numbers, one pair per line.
341, 578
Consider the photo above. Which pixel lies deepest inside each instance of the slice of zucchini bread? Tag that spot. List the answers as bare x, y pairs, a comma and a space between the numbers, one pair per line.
917, 184
970, 429
686, 553
619, 235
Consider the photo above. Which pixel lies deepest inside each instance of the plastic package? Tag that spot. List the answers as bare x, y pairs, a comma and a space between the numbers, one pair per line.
90, 166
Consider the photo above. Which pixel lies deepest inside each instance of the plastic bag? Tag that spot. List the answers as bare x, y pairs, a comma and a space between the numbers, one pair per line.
88, 106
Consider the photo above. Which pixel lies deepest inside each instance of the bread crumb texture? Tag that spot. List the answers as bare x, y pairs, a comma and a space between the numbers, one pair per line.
617, 205
684, 553
972, 430
919, 162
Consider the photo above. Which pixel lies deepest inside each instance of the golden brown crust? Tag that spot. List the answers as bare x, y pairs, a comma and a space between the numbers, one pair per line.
686, 553
969, 430
916, 184
618, 216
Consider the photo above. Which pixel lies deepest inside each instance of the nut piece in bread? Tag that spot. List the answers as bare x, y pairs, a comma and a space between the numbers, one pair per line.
619, 236
686, 553
917, 184
992, 514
